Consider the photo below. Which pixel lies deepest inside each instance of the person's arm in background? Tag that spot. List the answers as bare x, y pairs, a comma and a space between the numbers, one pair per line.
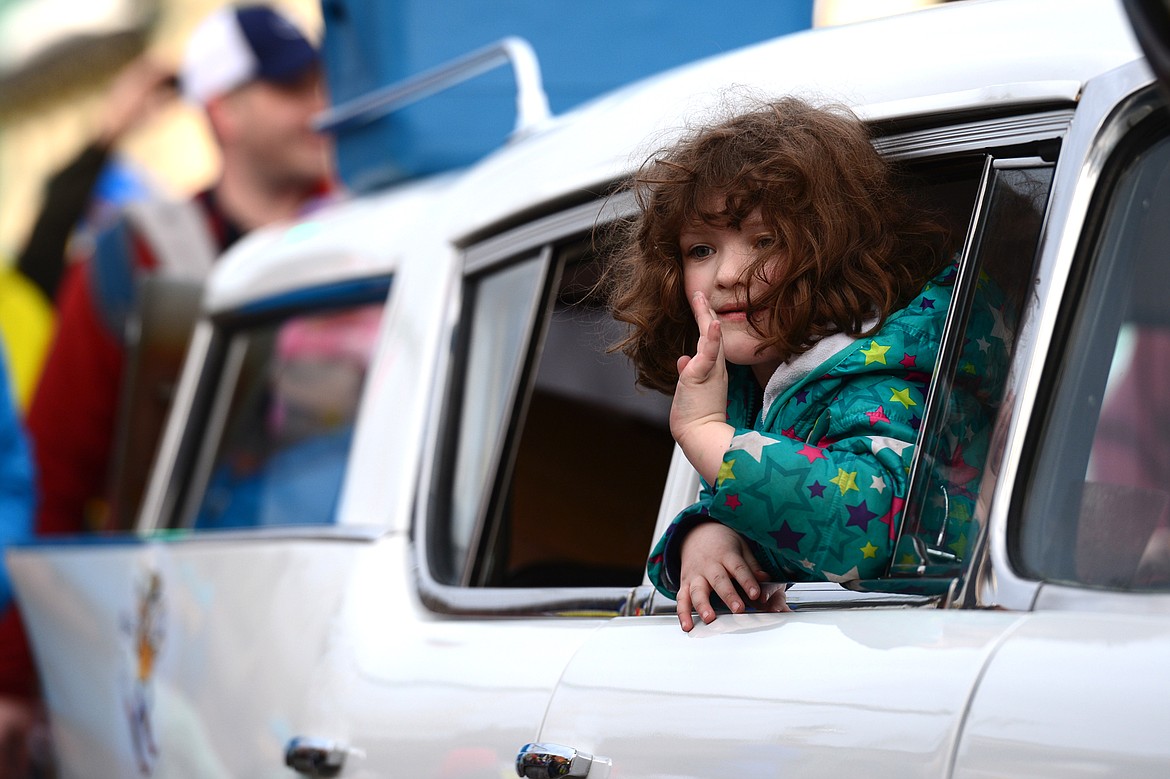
139, 90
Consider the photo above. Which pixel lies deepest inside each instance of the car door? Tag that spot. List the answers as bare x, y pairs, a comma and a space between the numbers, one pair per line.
1079, 515
171, 654
874, 679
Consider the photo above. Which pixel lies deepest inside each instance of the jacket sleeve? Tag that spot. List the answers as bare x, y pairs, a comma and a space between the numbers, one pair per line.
68, 193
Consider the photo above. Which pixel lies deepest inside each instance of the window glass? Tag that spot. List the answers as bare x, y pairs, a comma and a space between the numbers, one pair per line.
970, 377
1099, 507
499, 326
281, 436
589, 461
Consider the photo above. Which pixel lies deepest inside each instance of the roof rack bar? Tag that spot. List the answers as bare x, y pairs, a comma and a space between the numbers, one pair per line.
531, 101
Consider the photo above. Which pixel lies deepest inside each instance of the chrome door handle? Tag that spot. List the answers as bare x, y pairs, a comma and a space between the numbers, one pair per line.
316, 757
548, 761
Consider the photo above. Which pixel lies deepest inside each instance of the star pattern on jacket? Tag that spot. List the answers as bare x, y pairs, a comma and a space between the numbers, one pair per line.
817, 482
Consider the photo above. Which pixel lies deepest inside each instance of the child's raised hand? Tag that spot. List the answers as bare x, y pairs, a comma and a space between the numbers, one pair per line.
716, 559
698, 416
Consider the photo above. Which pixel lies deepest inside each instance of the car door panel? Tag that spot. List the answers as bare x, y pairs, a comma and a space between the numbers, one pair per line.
1073, 695
189, 668
867, 692
166, 677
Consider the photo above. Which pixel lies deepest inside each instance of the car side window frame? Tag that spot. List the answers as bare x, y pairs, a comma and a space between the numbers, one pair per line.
204, 395
1139, 129
979, 136
1005, 178
1110, 105
454, 596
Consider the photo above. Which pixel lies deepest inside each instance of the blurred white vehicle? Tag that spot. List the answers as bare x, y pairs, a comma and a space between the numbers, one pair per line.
440, 559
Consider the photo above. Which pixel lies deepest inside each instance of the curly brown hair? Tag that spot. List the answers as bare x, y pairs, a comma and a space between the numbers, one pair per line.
851, 246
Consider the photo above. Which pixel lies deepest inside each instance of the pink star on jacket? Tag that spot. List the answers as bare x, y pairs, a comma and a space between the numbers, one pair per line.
909, 361
896, 505
732, 502
812, 453
877, 415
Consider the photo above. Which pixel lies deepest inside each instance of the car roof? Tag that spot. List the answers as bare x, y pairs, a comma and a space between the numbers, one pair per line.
969, 56
966, 56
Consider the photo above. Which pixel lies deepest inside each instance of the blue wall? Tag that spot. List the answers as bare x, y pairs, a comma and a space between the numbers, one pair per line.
585, 48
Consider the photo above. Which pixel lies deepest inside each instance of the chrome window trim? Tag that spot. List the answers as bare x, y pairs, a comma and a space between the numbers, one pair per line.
161, 490
221, 386
972, 253
571, 221
819, 596
976, 135
949, 351
544, 256
1109, 107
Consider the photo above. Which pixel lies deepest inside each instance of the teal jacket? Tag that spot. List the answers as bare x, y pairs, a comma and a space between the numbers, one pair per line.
815, 478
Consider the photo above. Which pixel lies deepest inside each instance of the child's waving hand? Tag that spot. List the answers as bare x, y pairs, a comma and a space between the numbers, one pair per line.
698, 416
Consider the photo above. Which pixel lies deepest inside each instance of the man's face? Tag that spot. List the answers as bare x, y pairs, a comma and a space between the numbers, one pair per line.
273, 133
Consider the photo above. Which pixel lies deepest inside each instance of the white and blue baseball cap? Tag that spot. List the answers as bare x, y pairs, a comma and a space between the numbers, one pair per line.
238, 44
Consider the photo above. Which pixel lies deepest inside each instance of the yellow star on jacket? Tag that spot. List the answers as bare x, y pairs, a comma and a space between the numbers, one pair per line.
875, 353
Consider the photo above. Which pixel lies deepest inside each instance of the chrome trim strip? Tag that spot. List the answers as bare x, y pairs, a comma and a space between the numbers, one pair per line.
974, 136
815, 596
160, 488
562, 224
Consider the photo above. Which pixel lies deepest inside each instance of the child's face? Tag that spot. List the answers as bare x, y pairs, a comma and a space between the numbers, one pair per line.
715, 262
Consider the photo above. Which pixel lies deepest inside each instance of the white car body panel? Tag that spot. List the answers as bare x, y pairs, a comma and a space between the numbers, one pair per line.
1070, 694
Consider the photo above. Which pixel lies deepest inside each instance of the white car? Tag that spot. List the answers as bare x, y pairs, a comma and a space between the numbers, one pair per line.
399, 521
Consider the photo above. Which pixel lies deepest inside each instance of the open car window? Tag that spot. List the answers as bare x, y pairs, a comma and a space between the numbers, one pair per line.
556, 461
552, 475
